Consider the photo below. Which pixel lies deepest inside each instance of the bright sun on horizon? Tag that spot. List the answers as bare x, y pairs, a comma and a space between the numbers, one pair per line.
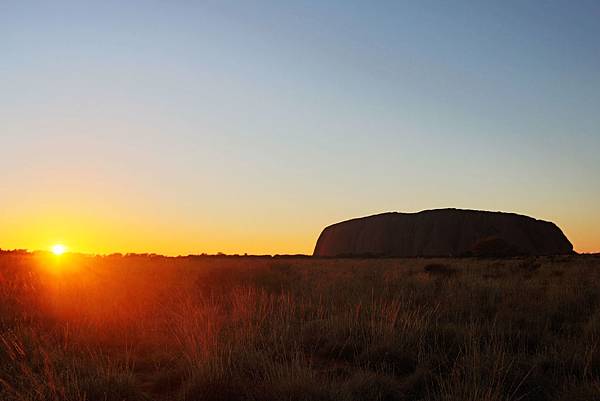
58, 249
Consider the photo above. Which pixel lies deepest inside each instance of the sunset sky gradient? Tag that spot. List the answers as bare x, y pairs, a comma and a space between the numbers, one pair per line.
182, 127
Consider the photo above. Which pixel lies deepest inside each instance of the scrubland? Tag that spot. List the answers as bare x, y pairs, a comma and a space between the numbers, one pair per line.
224, 328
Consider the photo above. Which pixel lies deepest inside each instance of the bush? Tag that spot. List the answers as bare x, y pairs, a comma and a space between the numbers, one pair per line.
494, 247
438, 268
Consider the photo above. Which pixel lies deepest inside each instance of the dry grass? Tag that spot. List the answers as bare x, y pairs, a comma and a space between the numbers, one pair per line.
153, 328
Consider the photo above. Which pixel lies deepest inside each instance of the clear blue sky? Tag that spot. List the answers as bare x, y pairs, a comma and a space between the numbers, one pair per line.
190, 126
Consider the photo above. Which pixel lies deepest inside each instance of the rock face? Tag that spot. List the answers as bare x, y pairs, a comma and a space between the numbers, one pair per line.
443, 232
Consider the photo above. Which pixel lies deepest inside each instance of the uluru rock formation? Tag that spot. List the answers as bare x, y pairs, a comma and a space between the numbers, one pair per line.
443, 232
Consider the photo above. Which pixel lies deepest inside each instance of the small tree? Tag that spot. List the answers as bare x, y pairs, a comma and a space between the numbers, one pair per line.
494, 247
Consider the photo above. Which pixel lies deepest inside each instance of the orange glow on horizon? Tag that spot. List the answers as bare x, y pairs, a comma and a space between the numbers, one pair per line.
95, 231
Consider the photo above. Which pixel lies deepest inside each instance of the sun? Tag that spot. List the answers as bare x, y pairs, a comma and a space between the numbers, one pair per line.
58, 249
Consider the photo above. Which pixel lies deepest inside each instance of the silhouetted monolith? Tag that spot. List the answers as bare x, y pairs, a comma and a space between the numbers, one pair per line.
443, 233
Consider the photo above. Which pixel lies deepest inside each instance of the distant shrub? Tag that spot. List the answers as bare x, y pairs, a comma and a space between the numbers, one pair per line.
494, 247
530, 265
438, 268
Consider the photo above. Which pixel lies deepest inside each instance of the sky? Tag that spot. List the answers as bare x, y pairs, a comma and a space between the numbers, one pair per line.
182, 127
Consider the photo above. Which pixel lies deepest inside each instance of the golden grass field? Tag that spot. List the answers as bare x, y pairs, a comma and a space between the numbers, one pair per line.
240, 328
